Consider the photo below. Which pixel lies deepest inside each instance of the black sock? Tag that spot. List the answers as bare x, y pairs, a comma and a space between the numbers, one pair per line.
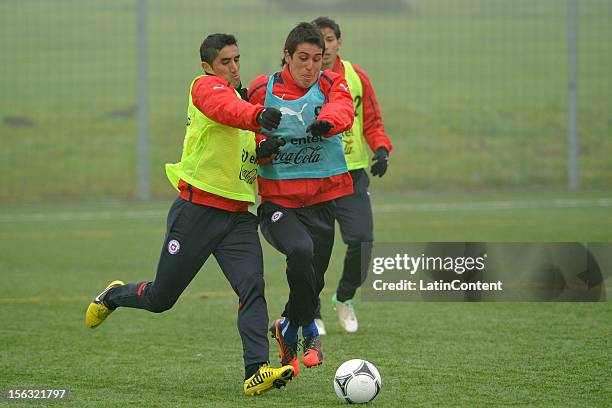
252, 369
110, 305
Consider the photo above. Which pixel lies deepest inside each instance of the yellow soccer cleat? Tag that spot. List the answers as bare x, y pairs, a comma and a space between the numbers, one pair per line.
97, 310
267, 378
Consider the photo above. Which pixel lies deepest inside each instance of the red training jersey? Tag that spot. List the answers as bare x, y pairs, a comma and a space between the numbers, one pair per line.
373, 127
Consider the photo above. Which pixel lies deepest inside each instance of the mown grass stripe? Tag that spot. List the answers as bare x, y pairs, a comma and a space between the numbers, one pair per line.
382, 208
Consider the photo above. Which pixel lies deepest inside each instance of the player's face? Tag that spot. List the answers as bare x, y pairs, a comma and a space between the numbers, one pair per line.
332, 46
226, 65
305, 64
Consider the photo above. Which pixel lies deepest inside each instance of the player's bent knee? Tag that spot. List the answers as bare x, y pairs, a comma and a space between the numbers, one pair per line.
357, 243
250, 286
301, 255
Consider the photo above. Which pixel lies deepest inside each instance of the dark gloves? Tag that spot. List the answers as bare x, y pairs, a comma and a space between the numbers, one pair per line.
243, 92
269, 118
269, 146
380, 159
319, 127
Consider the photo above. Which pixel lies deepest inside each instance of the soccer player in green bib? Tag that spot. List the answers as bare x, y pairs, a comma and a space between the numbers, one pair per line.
216, 183
354, 212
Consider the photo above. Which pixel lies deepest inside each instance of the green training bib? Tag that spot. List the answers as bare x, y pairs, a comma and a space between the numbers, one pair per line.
216, 158
355, 146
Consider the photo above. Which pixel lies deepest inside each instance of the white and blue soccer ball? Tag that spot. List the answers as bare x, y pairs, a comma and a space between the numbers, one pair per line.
357, 381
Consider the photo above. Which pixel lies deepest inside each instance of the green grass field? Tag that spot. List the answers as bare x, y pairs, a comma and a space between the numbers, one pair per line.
54, 258
473, 92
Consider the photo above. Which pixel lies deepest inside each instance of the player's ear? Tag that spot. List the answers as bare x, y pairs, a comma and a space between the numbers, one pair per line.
339, 42
287, 57
207, 68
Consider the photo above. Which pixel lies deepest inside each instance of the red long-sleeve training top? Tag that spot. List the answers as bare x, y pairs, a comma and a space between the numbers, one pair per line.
337, 109
373, 127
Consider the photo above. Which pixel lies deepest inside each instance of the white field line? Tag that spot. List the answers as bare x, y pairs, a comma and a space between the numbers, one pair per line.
84, 216
495, 205
378, 208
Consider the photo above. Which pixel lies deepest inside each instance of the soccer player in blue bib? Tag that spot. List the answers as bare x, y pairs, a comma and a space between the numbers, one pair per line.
299, 183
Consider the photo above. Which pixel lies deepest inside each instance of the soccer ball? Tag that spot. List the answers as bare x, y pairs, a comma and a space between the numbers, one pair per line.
357, 381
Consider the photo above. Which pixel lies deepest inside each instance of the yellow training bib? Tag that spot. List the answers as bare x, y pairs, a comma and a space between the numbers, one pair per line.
355, 146
216, 158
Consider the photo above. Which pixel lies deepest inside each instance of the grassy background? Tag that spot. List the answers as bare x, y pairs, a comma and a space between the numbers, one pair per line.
56, 257
473, 92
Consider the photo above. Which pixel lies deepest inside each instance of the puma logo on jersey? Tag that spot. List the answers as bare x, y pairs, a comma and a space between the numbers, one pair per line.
219, 87
344, 87
287, 111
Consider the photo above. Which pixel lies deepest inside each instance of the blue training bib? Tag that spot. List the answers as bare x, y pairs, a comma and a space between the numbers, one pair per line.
303, 155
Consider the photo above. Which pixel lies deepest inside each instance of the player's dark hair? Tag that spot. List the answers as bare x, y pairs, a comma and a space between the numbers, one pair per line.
303, 32
326, 22
213, 44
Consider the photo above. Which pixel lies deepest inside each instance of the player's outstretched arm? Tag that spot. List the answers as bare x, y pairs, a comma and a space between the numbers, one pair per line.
373, 127
216, 99
338, 108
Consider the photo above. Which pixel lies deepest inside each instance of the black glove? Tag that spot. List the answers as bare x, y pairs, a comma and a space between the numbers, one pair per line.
319, 127
244, 92
269, 118
380, 159
269, 147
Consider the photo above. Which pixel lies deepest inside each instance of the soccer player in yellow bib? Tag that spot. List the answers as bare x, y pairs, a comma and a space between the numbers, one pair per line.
354, 212
216, 183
